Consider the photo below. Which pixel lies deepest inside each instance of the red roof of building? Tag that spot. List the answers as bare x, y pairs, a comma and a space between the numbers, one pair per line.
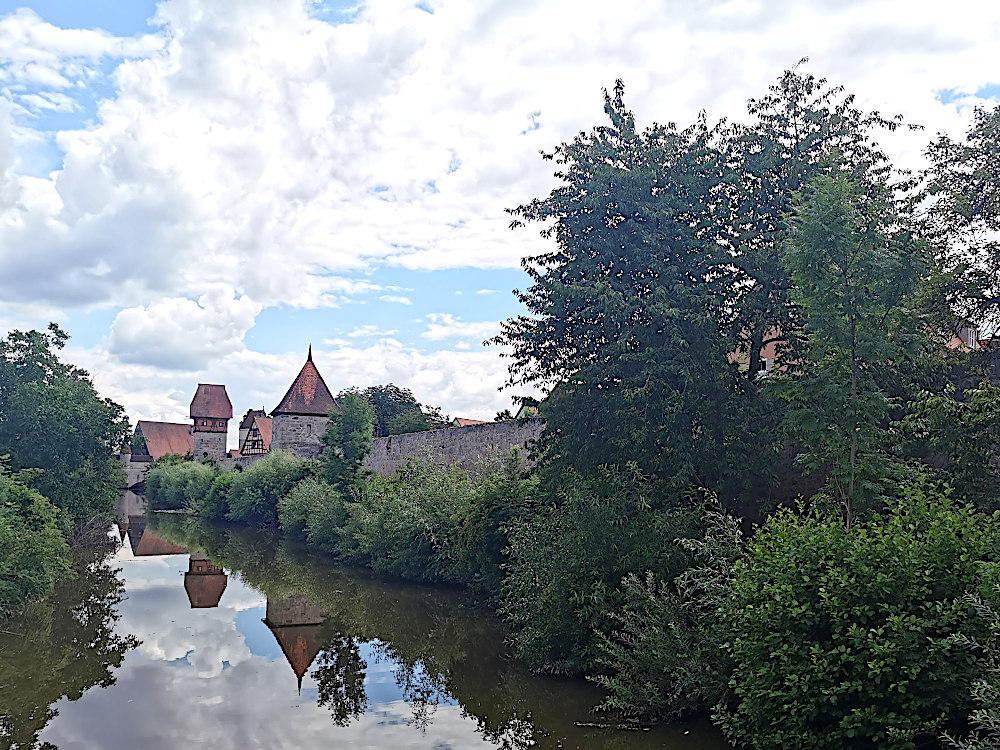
265, 426
150, 545
463, 422
166, 437
211, 401
308, 394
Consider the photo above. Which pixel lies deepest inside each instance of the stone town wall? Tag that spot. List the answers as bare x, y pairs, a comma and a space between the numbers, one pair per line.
465, 446
298, 434
135, 471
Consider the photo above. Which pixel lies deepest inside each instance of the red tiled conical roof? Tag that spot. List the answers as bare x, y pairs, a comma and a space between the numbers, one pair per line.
308, 394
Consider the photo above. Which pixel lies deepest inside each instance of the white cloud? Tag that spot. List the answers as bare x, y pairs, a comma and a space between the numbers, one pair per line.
179, 333
486, 291
368, 331
444, 326
395, 298
255, 147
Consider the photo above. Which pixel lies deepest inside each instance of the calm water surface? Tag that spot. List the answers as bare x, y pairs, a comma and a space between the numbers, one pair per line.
200, 636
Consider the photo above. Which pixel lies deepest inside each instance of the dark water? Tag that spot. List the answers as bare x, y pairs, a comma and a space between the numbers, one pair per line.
199, 636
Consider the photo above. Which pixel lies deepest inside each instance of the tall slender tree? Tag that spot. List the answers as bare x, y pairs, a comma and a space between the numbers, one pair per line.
854, 265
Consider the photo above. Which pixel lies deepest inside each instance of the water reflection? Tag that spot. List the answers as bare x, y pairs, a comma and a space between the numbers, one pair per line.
58, 650
432, 652
250, 641
295, 622
204, 581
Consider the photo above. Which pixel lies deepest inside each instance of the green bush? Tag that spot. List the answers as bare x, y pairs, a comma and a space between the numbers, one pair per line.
325, 521
215, 503
294, 509
33, 551
405, 525
177, 485
255, 492
664, 657
860, 636
478, 550
570, 551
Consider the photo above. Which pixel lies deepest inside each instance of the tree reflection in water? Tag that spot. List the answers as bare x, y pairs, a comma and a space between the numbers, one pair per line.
340, 678
67, 645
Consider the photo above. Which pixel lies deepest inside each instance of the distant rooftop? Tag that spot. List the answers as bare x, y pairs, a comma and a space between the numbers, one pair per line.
211, 401
308, 394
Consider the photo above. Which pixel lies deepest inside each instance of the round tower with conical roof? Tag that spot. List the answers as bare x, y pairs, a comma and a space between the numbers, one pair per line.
300, 420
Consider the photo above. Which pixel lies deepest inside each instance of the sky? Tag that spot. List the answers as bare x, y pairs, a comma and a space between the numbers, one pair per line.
199, 190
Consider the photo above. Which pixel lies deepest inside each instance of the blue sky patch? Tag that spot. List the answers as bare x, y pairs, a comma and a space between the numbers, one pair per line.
259, 639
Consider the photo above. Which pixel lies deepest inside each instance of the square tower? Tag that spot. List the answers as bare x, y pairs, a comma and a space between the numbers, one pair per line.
211, 411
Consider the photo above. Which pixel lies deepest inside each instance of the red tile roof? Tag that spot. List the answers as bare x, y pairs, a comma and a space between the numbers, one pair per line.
463, 422
211, 401
150, 545
166, 437
265, 425
308, 394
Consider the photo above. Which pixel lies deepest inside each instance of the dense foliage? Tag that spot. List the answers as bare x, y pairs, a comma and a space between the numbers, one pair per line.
52, 419
854, 264
397, 411
859, 636
347, 440
173, 484
850, 614
33, 551
58, 468
254, 492
569, 551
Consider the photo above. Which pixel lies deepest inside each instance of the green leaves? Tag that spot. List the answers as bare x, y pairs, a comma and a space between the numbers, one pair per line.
348, 439
856, 636
854, 266
52, 418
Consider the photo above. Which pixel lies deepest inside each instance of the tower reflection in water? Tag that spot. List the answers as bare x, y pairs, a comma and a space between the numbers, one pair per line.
295, 623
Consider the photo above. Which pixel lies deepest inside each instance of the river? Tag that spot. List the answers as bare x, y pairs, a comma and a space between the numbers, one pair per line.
193, 635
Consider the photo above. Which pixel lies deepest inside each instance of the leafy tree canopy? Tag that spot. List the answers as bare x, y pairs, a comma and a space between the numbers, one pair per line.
397, 411
52, 419
347, 440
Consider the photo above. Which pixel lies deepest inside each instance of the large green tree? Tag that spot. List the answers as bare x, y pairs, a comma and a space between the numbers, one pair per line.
52, 419
623, 310
792, 132
347, 440
397, 411
963, 188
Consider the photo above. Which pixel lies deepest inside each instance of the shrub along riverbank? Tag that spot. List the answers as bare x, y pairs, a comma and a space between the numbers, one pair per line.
661, 599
